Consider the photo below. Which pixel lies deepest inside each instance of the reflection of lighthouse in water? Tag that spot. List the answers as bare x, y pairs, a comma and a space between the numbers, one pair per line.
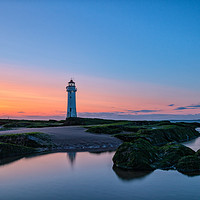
71, 156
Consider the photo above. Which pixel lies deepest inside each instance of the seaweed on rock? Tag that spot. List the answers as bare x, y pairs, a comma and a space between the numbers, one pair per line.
189, 165
23, 144
33, 139
139, 155
170, 154
142, 155
162, 135
8, 150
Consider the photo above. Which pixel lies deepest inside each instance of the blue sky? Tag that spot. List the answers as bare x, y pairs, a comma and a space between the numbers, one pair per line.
147, 41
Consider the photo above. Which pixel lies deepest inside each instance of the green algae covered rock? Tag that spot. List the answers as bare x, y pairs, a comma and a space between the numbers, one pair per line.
33, 139
198, 152
189, 164
170, 154
24, 144
142, 155
7, 150
161, 135
138, 155
169, 133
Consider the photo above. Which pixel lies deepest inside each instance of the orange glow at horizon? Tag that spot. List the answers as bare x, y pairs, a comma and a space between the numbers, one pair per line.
24, 93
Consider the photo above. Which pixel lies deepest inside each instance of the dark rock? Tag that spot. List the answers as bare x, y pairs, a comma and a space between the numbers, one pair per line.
138, 155
7, 150
170, 154
162, 135
170, 133
86, 121
6, 160
33, 139
198, 153
189, 164
142, 155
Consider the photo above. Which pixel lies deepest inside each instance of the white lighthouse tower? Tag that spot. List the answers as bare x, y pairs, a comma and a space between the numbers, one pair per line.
71, 106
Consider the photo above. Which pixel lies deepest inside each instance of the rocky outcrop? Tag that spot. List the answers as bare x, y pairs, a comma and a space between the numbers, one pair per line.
142, 155
189, 165
162, 135
23, 144
139, 155
9, 150
34, 139
170, 154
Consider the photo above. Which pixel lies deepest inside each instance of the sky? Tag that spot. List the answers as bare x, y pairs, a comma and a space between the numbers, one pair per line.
134, 59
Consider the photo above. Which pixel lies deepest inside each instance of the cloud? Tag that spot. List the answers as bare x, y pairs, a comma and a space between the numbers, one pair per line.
194, 106
188, 107
171, 105
180, 108
21, 112
128, 114
147, 111
142, 111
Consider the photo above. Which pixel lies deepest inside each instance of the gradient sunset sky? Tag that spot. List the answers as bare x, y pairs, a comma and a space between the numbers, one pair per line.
134, 59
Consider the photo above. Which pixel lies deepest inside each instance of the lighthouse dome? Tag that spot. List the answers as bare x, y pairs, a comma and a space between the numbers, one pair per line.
71, 83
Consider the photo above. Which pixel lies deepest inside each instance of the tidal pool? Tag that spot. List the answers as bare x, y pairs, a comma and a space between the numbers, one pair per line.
85, 176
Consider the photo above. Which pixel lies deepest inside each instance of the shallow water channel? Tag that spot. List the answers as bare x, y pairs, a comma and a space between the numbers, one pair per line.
84, 175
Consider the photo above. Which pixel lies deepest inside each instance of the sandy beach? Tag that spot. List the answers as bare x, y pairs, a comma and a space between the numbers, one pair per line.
73, 138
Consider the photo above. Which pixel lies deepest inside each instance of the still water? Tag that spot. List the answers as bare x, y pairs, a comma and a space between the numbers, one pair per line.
79, 176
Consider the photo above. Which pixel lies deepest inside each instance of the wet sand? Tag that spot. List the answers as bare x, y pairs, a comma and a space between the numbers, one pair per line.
73, 138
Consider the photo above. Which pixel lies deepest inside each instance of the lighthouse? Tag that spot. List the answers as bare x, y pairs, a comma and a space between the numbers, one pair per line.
71, 106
